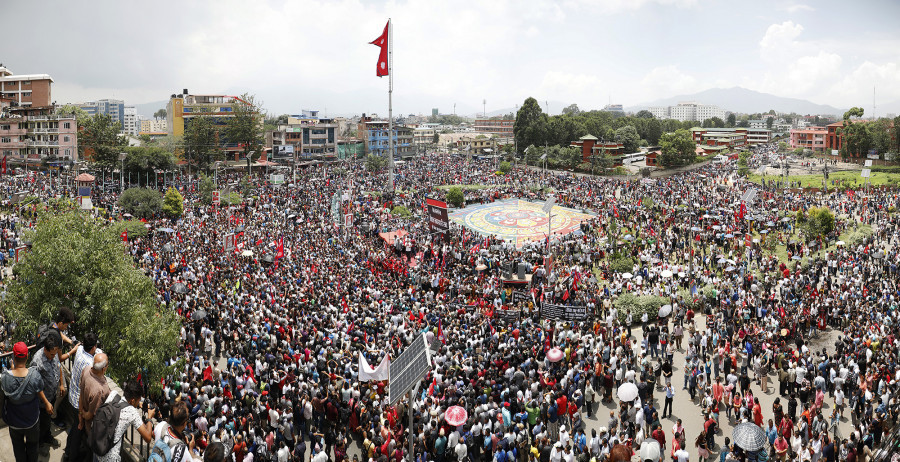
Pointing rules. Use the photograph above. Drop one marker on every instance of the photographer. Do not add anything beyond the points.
(171, 433)
(129, 416)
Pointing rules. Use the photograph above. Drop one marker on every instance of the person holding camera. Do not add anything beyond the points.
(129, 416)
(171, 433)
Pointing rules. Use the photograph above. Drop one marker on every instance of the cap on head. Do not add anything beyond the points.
(20, 350)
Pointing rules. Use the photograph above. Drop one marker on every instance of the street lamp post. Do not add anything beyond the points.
(122, 156)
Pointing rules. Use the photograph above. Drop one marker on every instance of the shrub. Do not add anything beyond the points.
(141, 202)
(639, 305)
(621, 263)
(505, 167)
(401, 211)
(173, 203)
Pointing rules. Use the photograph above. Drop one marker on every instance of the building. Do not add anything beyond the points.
(33, 134)
(812, 138)
(688, 111)
(374, 134)
(423, 136)
(616, 109)
(757, 123)
(759, 136)
(833, 138)
(591, 146)
(153, 126)
(496, 127)
(477, 146)
(184, 107)
(306, 136)
(713, 140)
(129, 121)
(26, 89)
(114, 108)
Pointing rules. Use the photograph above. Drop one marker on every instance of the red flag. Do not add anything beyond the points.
(4, 165)
(279, 250)
(615, 211)
(431, 387)
(124, 236)
(382, 41)
(440, 333)
(207, 373)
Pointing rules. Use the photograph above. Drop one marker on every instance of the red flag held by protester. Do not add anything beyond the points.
(124, 235)
(382, 41)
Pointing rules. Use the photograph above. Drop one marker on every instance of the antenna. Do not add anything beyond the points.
(484, 108)
(454, 108)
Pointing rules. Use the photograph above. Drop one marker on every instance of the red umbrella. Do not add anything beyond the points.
(456, 415)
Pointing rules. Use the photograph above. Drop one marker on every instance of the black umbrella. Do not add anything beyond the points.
(749, 436)
(179, 288)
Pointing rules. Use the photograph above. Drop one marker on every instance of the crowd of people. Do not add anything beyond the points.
(272, 366)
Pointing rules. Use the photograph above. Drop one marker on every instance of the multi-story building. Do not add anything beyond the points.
(33, 134)
(374, 134)
(759, 136)
(114, 108)
(184, 107)
(129, 120)
(757, 123)
(809, 138)
(154, 126)
(687, 111)
(25, 89)
(308, 137)
(423, 136)
(616, 109)
(496, 127)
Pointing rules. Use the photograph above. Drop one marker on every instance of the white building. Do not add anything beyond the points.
(757, 123)
(130, 123)
(688, 111)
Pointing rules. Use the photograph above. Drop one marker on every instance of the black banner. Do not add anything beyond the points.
(508, 316)
(564, 312)
(520, 296)
(460, 306)
(438, 221)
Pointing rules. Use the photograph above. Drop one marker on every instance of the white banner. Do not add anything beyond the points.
(367, 374)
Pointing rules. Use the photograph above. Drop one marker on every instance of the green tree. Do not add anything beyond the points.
(533, 155)
(819, 222)
(629, 138)
(77, 263)
(455, 196)
(436, 139)
(895, 134)
(401, 211)
(141, 202)
(879, 133)
(782, 146)
(246, 187)
(245, 127)
(99, 140)
(531, 124)
(206, 188)
(731, 120)
(375, 163)
(570, 157)
(173, 203)
(505, 167)
(571, 109)
(202, 143)
(644, 114)
(743, 168)
(677, 149)
(160, 114)
(143, 161)
(856, 141)
(713, 122)
(769, 122)
(70, 109)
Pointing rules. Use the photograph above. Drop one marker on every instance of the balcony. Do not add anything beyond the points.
(42, 143)
(43, 117)
(13, 132)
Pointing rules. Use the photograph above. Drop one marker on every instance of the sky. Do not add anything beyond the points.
(295, 55)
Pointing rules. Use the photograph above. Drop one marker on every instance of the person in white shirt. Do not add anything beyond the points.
(681, 455)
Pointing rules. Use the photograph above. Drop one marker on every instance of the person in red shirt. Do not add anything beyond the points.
(562, 405)
(659, 435)
(757, 412)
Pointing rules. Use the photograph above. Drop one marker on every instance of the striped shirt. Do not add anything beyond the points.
(82, 359)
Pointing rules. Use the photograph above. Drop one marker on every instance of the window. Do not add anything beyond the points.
(66, 139)
(5, 140)
(26, 82)
(67, 125)
(4, 127)
(27, 93)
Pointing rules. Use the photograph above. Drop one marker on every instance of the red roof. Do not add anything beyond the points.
(85, 177)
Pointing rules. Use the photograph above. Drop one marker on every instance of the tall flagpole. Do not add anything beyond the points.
(390, 106)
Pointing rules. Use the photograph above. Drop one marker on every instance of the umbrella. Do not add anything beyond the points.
(729, 236)
(749, 436)
(239, 229)
(628, 391)
(198, 315)
(168, 247)
(456, 415)
(665, 273)
(268, 258)
(247, 253)
(167, 230)
(795, 257)
(627, 275)
(628, 237)
(716, 227)
(179, 288)
(755, 240)
(765, 231)
(770, 223)
(695, 229)
(665, 310)
(878, 255)
(840, 243)
(786, 219)
(650, 450)
(729, 269)
(721, 261)
(681, 274)
(555, 355)
(128, 215)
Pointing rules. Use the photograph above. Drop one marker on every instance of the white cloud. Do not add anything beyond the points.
(668, 81)
(796, 8)
(779, 40)
(572, 86)
(855, 89)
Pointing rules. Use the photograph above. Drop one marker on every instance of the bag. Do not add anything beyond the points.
(42, 333)
(103, 429)
(162, 452)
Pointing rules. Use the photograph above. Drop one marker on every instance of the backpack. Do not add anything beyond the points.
(42, 333)
(163, 451)
(103, 429)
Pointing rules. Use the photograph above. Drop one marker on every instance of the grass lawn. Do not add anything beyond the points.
(815, 181)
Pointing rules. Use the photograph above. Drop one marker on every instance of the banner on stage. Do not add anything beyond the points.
(508, 316)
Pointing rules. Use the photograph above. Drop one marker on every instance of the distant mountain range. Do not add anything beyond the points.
(742, 100)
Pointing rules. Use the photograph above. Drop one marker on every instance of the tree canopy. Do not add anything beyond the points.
(173, 203)
(99, 140)
(202, 144)
(677, 149)
(245, 127)
(76, 262)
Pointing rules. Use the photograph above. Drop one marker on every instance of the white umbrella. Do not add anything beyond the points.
(627, 392)
(627, 275)
(665, 310)
(247, 253)
(840, 243)
(665, 273)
